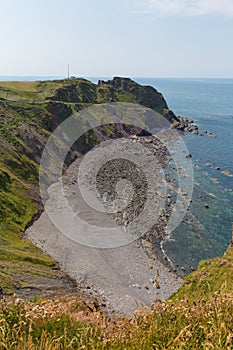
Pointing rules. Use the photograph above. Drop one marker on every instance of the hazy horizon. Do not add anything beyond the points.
(33, 77)
(136, 38)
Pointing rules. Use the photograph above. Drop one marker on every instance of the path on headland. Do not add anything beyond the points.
(122, 278)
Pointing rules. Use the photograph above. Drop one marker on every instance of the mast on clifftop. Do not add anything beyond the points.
(68, 72)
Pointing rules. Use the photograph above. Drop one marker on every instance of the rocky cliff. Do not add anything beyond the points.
(29, 112)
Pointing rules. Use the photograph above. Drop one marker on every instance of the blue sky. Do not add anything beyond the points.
(147, 38)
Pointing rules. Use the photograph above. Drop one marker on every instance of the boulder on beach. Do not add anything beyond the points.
(189, 155)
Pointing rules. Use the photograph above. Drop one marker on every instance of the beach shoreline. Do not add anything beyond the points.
(123, 279)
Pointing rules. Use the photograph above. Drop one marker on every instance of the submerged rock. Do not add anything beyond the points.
(226, 172)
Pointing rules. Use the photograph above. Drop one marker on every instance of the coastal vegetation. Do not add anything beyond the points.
(198, 316)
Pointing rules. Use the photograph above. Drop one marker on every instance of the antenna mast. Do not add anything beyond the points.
(68, 71)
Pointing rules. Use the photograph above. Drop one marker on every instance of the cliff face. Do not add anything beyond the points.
(29, 112)
(144, 95)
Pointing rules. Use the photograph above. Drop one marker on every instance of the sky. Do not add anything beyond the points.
(105, 38)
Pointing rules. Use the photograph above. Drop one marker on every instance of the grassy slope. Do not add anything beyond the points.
(22, 263)
(83, 91)
(199, 316)
(24, 129)
(211, 276)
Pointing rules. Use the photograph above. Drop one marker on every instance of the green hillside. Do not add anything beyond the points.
(83, 91)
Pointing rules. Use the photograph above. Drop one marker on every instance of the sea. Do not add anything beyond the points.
(204, 232)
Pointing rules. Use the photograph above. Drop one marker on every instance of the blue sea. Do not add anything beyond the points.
(209, 102)
(205, 232)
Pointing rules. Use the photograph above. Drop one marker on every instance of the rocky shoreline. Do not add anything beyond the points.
(122, 278)
(148, 248)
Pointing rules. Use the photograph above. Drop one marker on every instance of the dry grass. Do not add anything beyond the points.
(19, 85)
(74, 323)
